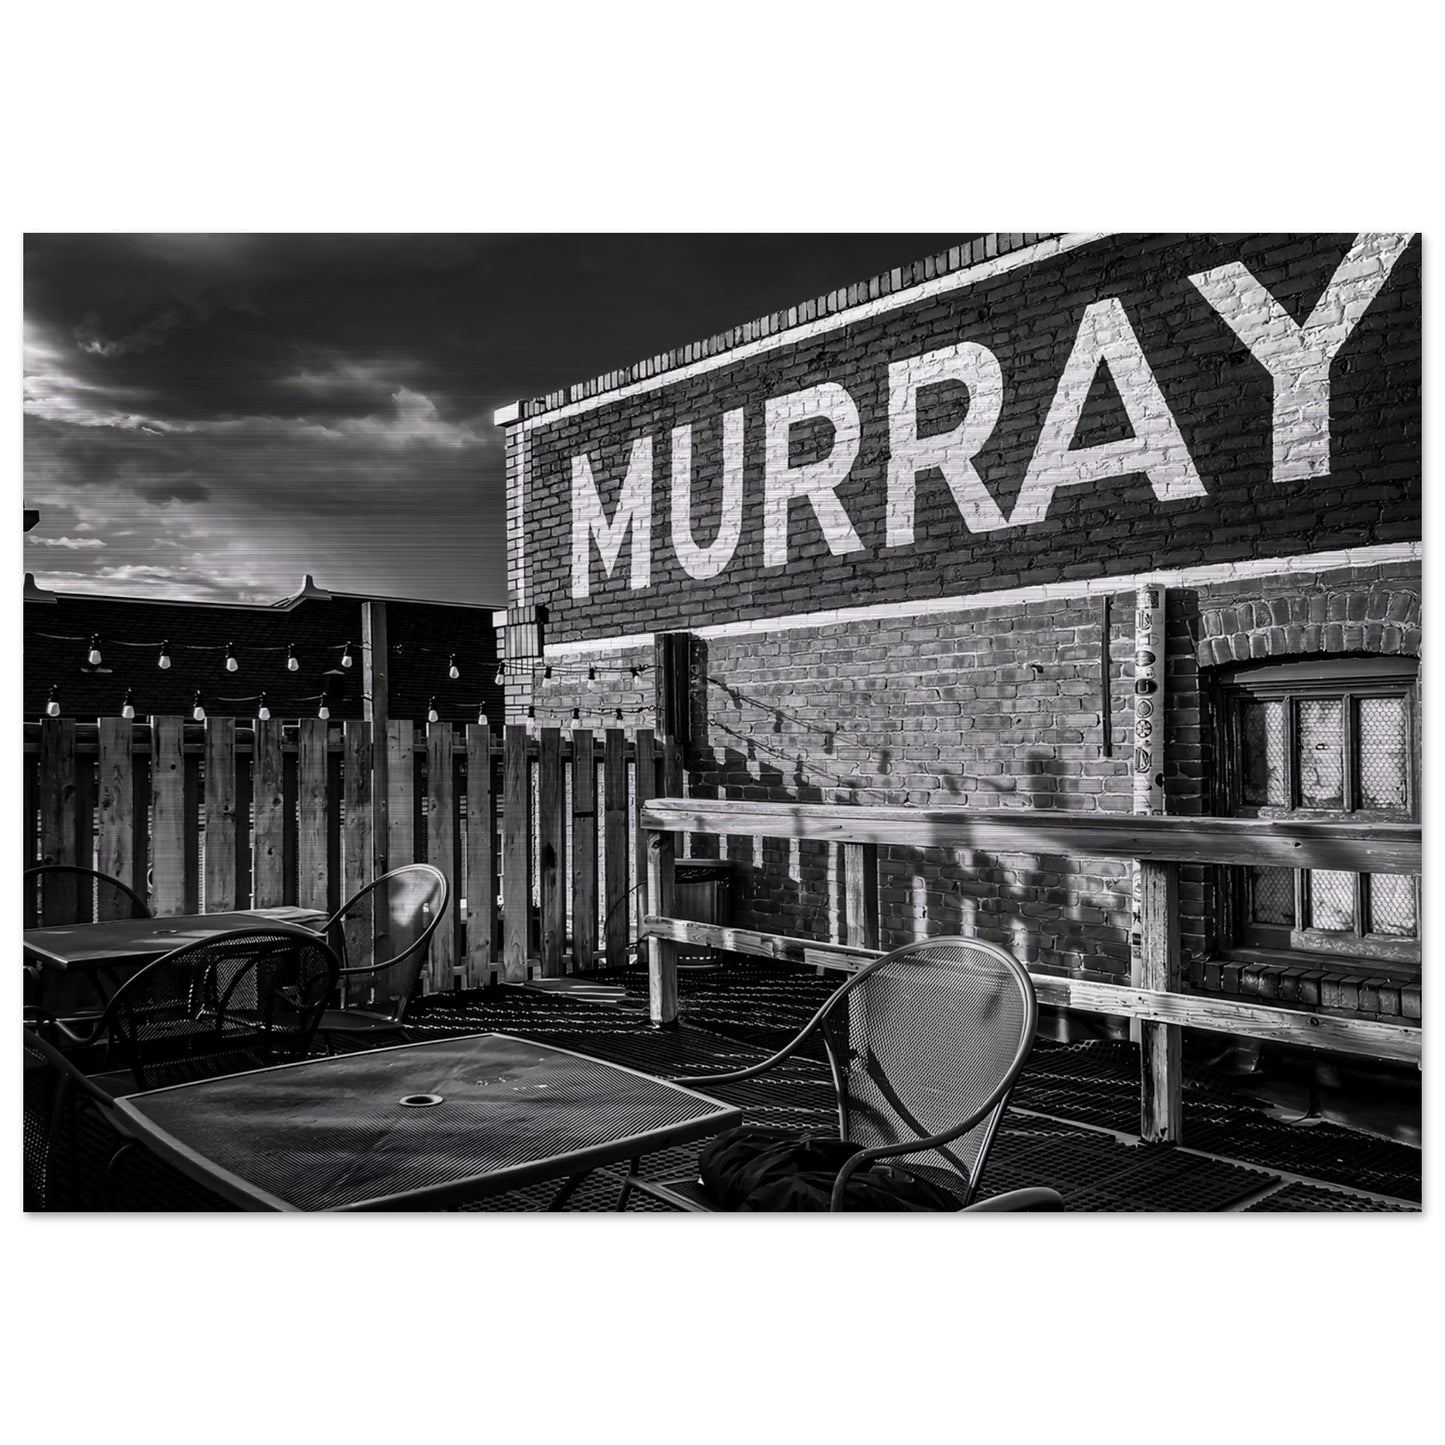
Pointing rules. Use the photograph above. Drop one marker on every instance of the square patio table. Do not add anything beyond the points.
(119, 942)
(416, 1126)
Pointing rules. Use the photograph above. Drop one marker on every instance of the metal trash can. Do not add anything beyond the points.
(702, 893)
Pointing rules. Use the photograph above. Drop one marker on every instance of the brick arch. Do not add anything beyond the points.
(1371, 620)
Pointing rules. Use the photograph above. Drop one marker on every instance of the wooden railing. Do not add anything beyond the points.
(219, 815)
(1159, 844)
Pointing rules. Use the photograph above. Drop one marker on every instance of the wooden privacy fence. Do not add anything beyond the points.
(213, 816)
(1159, 844)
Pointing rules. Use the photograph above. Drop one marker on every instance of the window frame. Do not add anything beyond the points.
(1349, 679)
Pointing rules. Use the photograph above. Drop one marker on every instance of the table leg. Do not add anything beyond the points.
(569, 1186)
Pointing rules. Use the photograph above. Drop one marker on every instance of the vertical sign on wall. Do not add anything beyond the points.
(1148, 763)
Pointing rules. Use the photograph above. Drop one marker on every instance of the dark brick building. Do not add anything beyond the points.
(316, 627)
(1084, 522)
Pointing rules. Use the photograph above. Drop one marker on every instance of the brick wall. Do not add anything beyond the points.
(971, 702)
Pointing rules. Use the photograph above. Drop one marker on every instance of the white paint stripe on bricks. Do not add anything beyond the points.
(1210, 574)
(939, 286)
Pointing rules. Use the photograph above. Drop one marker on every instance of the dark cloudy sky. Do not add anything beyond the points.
(212, 416)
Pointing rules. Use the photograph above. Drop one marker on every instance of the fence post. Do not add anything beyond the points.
(516, 853)
(375, 702)
(168, 818)
(860, 895)
(57, 804)
(269, 774)
(1160, 1056)
(662, 952)
(584, 851)
(115, 813)
(220, 786)
(481, 888)
(552, 890)
(615, 845)
(440, 820)
(357, 844)
(311, 810)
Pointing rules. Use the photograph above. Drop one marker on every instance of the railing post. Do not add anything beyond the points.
(1160, 1056)
(860, 895)
(552, 852)
(661, 952)
(516, 820)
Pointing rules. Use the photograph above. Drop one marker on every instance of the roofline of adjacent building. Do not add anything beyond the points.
(981, 255)
(309, 592)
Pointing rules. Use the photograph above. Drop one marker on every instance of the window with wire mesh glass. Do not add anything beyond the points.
(1322, 739)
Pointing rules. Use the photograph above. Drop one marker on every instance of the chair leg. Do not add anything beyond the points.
(569, 1187)
(626, 1190)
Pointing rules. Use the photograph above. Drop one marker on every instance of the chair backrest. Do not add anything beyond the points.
(57, 894)
(937, 1033)
(227, 1002)
(385, 931)
(69, 1129)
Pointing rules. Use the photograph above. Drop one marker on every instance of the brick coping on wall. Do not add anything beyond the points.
(977, 253)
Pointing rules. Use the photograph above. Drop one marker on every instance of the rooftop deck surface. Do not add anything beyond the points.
(1072, 1122)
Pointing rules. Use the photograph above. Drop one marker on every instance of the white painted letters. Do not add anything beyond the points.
(1156, 448)
(817, 481)
(1298, 357)
(705, 562)
(634, 510)
(952, 452)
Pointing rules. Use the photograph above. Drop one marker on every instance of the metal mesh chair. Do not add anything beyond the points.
(924, 1046)
(72, 1135)
(54, 895)
(235, 1001)
(381, 936)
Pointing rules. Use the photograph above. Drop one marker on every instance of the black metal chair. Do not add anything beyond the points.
(72, 1134)
(382, 935)
(239, 1000)
(924, 1046)
(54, 895)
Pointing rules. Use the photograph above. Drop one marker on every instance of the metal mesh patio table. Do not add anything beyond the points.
(417, 1126)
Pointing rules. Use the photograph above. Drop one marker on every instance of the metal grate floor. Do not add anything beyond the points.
(737, 1015)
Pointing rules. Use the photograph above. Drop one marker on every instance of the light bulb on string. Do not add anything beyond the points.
(231, 663)
(94, 655)
(635, 671)
(52, 703)
(576, 714)
(164, 660)
(263, 713)
(547, 671)
(619, 714)
(431, 710)
(324, 711)
(291, 664)
(198, 709)
(500, 678)
(346, 655)
(127, 710)
(591, 673)
(453, 671)
(481, 718)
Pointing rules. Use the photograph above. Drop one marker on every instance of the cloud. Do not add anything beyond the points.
(182, 489)
(74, 544)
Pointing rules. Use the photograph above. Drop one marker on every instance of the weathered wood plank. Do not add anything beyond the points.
(168, 817)
(516, 853)
(220, 814)
(30, 809)
(481, 885)
(552, 890)
(584, 851)
(616, 847)
(644, 787)
(1368, 1038)
(1373, 847)
(1161, 1067)
(357, 860)
(268, 885)
(116, 851)
(401, 793)
(57, 811)
(376, 709)
(860, 895)
(441, 849)
(661, 950)
(311, 814)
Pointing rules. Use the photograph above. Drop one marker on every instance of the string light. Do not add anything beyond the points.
(52, 704)
(481, 718)
(431, 710)
(291, 664)
(231, 663)
(547, 671)
(499, 679)
(165, 657)
(531, 712)
(263, 713)
(324, 711)
(346, 655)
(198, 709)
(94, 657)
(635, 671)
(576, 714)
(591, 673)
(619, 714)
(453, 671)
